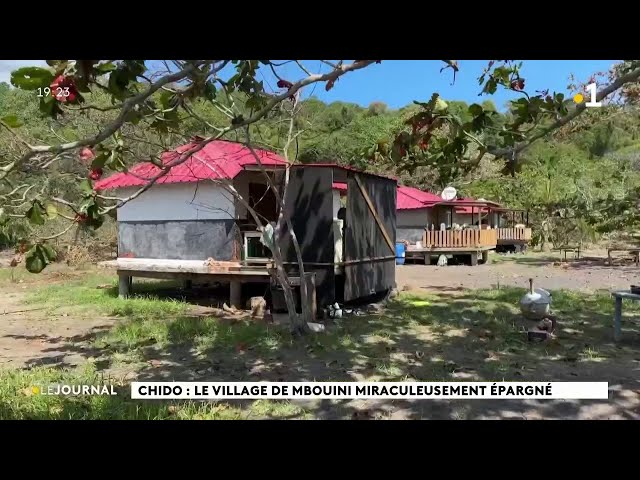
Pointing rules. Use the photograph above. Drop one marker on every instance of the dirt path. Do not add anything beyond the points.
(30, 336)
(588, 273)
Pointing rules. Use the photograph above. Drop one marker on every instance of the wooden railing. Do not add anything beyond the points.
(459, 239)
(514, 234)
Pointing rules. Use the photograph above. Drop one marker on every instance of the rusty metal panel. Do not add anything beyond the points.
(370, 260)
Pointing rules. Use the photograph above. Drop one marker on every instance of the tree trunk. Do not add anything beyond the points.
(299, 323)
(546, 241)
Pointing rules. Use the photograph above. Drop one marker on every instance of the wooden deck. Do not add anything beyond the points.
(184, 268)
(459, 239)
(475, 243)
(232, 272)
(510, 236)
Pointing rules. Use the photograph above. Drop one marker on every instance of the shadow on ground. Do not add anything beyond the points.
(584, 262)
(448, 336)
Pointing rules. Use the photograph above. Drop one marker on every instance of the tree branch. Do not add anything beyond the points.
(632, 76)
(342, 70)
(58, 234)
(113, 127)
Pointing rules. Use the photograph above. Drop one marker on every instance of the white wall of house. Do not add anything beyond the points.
(336, 203)
(423, 217)
(462, 218)
(178, 201)
(418, 218)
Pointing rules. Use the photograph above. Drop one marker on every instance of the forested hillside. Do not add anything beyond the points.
(578, 182)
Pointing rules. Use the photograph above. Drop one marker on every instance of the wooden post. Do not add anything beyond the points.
(311, 294)
(235, 294)
(472, 217)
(617, 320)
(124, 285)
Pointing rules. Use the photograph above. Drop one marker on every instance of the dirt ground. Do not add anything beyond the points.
(29, 336)
(590, 273)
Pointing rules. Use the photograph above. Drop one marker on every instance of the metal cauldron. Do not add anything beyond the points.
(536, 304)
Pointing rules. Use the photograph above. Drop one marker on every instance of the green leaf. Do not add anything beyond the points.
(30, 78)
(94, 219)
(490, 87)
(12, 121)
(50, 106)
(166, 99)
(35, 259)
(210, 91)
(440, 105)
(49, 253)
(115, 161)
(105, 67)
(100, 160)
(86, 187)
(475, 109)
(35, 213)
(52, 211)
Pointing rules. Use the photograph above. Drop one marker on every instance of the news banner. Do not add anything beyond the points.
(368, 390)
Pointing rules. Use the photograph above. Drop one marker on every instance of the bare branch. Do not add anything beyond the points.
(60, 137)
(190, 111)
(58, 234)
(62, 201)
(332, 65)
(13, 132)
(17, 189)
(96, 107)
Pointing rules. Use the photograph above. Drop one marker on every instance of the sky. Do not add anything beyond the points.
(399, 82)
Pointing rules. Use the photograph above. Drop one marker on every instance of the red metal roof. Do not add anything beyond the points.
(341, 186)
(412, 198)
(219, 159)
(408, 197)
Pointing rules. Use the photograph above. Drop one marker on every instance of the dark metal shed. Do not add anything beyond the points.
(366, 264)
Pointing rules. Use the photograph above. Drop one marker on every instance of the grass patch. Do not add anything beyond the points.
(205, 333)
(19, 402)
(84, 294)
(16, 275)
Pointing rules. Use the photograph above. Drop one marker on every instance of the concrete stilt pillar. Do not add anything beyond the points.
(188, 284)
(235, 294)
(124, 285)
